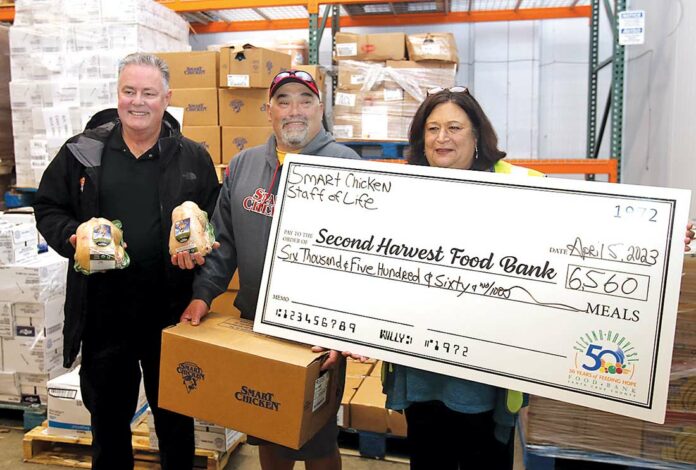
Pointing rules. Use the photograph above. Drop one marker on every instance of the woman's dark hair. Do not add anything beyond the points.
(486, 139)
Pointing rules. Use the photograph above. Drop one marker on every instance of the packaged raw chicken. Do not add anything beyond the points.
(99, 246)
(191, 230)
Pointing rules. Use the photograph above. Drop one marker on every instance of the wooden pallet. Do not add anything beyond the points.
(41, 447)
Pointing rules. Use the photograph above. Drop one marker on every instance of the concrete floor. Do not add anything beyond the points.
(244, 458)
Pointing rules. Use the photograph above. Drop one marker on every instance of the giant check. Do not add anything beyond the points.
(560, 288)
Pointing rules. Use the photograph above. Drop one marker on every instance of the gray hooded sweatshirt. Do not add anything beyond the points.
(242, 220)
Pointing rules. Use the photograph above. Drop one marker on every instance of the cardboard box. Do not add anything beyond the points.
(367, 411)
(353, 74)
(243, 107)
(200, 105)
(551, 422)
(376, 370)
(373, 123)
(246, 66)
(674, 441)
(380, 46)
(40, 353)
(34, 281)
(390, 100)
(208, 137)
(33, 387)
(351, 386)
(17, 242)
(432, 46)
(224, 304)
(222, 371)
(234, 283)
(67, 414)
(236, 139)
(424, 74)
(6, 322)
(197, 69)
(358, 369)
(9, 387)
(316, 71)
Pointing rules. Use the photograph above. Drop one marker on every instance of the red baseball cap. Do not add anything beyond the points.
(297, 76)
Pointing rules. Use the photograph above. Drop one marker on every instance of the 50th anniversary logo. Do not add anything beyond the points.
(605, 362)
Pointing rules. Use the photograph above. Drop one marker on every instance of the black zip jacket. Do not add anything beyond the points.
(69, 195)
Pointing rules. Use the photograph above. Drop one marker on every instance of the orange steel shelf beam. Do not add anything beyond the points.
(411, 19)
(7, 14)
(573, 166)
(578, 166)
(312, 5)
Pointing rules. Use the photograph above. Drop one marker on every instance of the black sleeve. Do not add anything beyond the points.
(55, 215)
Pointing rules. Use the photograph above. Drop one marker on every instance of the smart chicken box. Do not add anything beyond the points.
(223, 372)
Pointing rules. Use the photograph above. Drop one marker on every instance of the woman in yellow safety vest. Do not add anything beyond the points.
(454, 423)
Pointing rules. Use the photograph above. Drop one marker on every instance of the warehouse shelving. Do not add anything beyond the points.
(214, 16)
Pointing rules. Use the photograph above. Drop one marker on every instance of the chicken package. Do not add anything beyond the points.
(191, 230)
(99, 246)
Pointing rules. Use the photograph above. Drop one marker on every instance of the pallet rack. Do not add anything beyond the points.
(215, 16)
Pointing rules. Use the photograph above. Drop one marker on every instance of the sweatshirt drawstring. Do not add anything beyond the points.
(273, 180)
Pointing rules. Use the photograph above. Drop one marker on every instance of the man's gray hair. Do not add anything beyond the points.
(150, 60)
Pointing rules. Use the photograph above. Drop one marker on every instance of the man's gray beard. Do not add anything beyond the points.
(294, 138)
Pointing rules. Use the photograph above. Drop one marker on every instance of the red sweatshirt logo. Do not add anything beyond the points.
(262, 202)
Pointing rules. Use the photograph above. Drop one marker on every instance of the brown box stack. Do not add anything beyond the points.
(368, 411)
(193, 79)
(355, 373)
(245, 75)
(554, 423)
(377, 100)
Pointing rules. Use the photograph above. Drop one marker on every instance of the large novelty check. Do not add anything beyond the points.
(561, 288)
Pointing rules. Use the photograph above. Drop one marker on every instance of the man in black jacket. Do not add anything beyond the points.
(130, 164)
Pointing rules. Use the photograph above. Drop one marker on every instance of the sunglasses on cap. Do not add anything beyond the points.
(297, 76)
(454, 89)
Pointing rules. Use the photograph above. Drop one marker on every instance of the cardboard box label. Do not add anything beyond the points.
(238, 80)
(357, 79)
(345, 99)
(343, 131)
(395, 94)
(347, 49)
(321, 387)
(431, 49)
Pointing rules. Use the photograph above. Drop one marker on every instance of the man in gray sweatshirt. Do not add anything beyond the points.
(242, 220)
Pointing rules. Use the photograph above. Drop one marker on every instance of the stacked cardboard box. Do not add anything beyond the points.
(67, 415)
(224, 303)
(206, 435)
(64, 64)
(378, 91)
(553, 423)
(245, 75)
(367, 402)
(32, 294)
(355, 374)
(193, 80)
(224, 95)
